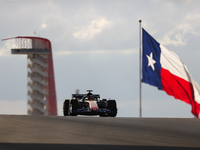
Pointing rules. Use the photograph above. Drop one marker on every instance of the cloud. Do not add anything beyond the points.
(183, 31)
(95, 27)
(43, 26)
(13, 107)
(5, 50)
(126, 51)
(19, 107)
(60, 106)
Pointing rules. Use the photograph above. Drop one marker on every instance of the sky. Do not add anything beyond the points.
(96, 46)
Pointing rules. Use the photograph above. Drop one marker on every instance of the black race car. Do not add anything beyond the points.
(89, 104)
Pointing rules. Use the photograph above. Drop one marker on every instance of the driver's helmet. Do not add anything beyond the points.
(90, 96)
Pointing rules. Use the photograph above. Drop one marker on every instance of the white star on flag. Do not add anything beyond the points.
(151, 61)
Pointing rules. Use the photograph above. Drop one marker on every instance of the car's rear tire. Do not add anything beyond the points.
(112, 105)
(74, 105)
(66, 108)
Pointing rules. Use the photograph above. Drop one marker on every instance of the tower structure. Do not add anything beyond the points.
(41, 93)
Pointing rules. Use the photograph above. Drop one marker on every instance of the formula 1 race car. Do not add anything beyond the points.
(89, 104)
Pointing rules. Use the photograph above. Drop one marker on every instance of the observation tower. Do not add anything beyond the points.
(41, 93)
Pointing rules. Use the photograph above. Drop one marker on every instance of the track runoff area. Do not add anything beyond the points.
(58, 132)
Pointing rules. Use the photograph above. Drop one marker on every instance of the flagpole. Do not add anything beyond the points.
(140, 68)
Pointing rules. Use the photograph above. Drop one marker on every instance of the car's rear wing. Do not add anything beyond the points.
(79, 96)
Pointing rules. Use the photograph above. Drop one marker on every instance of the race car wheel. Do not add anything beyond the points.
(66, 108)
(113, 107)
(74, 105)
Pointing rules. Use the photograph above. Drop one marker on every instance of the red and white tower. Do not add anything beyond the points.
(41, 81)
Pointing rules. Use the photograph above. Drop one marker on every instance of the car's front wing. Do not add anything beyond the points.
(87, 111)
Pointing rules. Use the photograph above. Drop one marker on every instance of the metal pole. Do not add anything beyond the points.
(140, 67)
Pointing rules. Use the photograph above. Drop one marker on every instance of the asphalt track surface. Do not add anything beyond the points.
(19, 132)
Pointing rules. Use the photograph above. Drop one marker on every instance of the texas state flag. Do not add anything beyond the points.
(164, 69)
